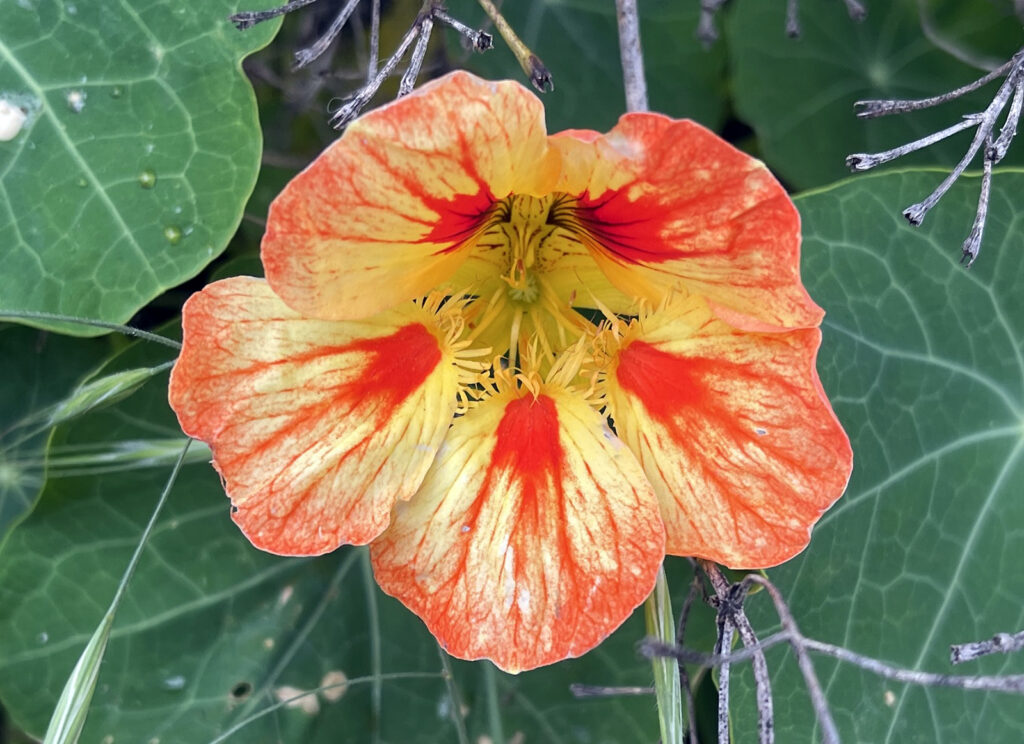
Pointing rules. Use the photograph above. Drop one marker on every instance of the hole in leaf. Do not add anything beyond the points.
(241, 690)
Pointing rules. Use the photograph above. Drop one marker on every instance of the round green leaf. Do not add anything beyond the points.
(924, 362)
(140, 147)
(798, 94)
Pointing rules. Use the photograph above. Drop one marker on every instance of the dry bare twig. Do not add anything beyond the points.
(1001, 643)
(985, 122)
(723, 659)
(634, 80)
(416, 38)
(707, 31)
(728, 601)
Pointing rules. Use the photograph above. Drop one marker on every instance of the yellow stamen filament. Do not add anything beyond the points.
(495, 309)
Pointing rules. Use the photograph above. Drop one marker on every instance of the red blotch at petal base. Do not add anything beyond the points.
(533, 537)
(737, 436)
(316, 427)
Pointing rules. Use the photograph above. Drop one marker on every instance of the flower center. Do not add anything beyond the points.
(525, 223)
(527, 273)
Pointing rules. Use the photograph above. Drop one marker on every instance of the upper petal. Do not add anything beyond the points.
(668, 203)
(734, 431)
(535, 534)
(381, 215)
(316, 427)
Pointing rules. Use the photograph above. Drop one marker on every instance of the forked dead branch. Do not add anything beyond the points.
(729, 600)
(417, 37)
(994, 146)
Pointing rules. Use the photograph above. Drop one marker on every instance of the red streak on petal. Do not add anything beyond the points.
(399, 364)
(528, 450)
(688, 395)
(461, 217)
(665, 383)
(629, 230)
(528, 444)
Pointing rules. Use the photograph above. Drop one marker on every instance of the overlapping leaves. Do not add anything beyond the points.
(140, 147)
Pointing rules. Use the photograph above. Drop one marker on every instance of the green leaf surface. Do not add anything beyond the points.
(212, 632)
(924, 362)
(37, 370)
(578, 42)
(140, 149)
(798, 94)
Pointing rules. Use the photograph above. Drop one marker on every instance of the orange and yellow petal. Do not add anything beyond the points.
(388, 212)
(316, 427)
(534, 536)
(668, 204)
(734, 431)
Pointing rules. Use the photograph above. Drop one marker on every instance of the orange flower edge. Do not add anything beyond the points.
(457, 308)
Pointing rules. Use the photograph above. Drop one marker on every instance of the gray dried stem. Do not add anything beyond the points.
(729, 599)
(1011, 92)
(1001, 643)
(417, 38)
(249, 18)
(707, 31)
(696, 586)
(631, 53)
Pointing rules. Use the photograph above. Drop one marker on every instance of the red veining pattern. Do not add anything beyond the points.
(628, 230)
(528, 444)
(461, 217)
(400, 364)
(665, 383)
(259, 470)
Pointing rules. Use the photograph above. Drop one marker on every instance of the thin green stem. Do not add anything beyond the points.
(453, 696)
(128, 572)
(46, 415)
(72, 708)
(376, 663)
(288, 701)
(493, 708)
(660, 625)
(58, 318)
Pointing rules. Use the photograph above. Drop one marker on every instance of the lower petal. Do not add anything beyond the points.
(534, 536)
(316, 427)
(734, 431)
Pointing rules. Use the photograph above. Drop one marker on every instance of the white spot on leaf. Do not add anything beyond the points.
(293, 697)
(177, 682)
(76, 100)
(336, 684)
(12, 119)
(285, 595)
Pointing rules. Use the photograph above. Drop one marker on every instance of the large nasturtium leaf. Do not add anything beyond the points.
(212, 631)
(924, 361)
(578, 42)
(798, 94)
(139, 151)
(37, 369)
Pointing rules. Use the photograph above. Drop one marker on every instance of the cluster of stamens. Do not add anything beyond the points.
(515, 316)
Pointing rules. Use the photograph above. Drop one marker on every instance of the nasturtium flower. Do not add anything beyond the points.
(521, 367)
